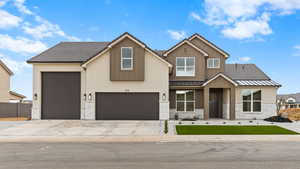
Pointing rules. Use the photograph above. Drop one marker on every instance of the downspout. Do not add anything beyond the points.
(84, 70)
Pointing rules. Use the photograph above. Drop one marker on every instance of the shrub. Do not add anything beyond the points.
(188, 119)
(278, 119)
(166, 130)
(176, 116)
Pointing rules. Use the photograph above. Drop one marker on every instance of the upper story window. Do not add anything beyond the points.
(213, 63)
(185, 66)
(251, 100)
(126, 58)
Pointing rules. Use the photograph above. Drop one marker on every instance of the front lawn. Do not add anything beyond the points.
(230, 130)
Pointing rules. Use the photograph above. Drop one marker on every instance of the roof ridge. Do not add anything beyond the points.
(85, 42)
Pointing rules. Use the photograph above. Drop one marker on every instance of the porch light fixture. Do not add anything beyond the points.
(35, 96)
(164, 96)
(90, 96)
(84, 97)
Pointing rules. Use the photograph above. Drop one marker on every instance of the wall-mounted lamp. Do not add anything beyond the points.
(164, 97)
(90, 96)
(84, 97)
(35, 96)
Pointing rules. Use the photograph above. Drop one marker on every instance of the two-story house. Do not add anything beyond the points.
(289, 100)
(6, 95)
(126, 80)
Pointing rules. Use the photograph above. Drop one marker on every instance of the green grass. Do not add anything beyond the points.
(230, 130)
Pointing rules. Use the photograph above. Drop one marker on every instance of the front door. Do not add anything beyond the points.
(215, 102)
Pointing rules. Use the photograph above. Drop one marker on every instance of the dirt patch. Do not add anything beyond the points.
(14, 119)
(292, 114)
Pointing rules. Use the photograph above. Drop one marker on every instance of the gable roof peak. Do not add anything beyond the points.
(120, 38)
(197, 35)
(187, 41)
(6, 68)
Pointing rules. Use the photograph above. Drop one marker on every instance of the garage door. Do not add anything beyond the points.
(61, 95)
(127, 106)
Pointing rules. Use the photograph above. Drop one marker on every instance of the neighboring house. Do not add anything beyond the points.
(289, 100)
(126, 80)
(5, 94)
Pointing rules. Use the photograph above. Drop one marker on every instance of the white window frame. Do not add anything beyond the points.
(131, 58)
(185, 66)
(252, 101)
(213, 61)
(185, 101)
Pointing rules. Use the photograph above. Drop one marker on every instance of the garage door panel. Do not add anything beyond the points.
(61, 95)
(127, 106)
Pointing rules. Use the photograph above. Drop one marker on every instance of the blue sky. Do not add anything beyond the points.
(264, 32)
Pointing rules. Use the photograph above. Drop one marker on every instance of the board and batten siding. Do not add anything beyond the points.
(186, 50)
(212, 53)
(138, 71)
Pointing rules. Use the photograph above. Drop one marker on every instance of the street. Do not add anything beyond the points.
(235, 155)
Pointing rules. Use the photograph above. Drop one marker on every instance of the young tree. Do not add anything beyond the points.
(280, 103)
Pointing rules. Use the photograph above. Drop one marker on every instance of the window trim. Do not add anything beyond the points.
(252, 101)
(185, 101)
(213, 67)
(131, 58)
(185, 66)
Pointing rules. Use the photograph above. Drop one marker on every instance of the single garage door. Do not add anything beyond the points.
(61, 95)
(127, 106)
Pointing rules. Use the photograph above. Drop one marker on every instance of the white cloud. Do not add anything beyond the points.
(249, 28)
(14, 65)
(195, 16)
(245, 59)
(21, 7)
(177, 35)
(8, 20)
(21, 44)
(237, 16)
(46, 29)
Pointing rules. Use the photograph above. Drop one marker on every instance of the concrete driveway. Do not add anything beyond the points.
(81, 128)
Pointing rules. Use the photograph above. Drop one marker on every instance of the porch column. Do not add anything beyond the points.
(232, 104)
(206, 103)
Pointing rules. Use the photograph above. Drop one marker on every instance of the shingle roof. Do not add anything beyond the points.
(185, 83)
(296, 96)
(160, 52)
(70, 52)
(245, 72)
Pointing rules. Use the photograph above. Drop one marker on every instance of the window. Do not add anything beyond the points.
(291, 100)
(185, 100)
(213, 63)
(126, 58)
(185, 66)
(251, 100)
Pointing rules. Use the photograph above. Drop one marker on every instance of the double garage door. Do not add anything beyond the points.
(61, 100)
(127, 106)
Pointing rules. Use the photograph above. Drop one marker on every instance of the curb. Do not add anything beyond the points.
(141, 139)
